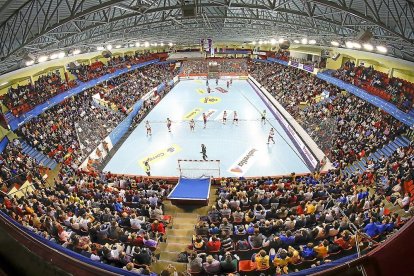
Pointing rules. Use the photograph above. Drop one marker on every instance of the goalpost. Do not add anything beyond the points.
(189, 168)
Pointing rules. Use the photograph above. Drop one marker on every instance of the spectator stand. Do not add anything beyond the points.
(16, 122)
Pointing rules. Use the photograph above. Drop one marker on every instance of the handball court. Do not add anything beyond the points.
(241, 148)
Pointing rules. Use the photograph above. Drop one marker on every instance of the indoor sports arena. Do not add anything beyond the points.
(207, 137)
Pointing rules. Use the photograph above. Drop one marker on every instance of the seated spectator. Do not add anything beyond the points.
(229, 264)
(214, 244)
(195, 263)
(211, 265)
(307, 251)
(262, 260)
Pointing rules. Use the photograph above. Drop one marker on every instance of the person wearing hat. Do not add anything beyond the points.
(211, 265)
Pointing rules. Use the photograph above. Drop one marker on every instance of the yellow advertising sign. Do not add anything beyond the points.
(200, 91)
(159, 155)
(210, 100)
(192, 114)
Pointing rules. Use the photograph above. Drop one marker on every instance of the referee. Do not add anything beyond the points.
(204, 152)
(147, 168)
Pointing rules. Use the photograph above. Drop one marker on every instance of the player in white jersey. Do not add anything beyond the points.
(192, 124)
(169, 124)
(271, 134)
(264, 117)
(224, 117)
(235, 118)
(148, 128)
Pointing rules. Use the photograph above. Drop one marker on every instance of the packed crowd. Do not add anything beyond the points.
(345, 127)
(125, 90)
(398, 91)
(23, 98)
(86, 72)
(288, 224)
(224, 66)
(17, 167)
(109, 219)
(58, 131)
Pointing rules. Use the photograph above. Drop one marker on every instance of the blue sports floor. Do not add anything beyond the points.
(242, 149)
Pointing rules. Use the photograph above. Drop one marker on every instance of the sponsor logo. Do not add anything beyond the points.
(200, 91)
(191, 115)
(198, 81)
(242, 165)
(209, 114)
(210, 100)
(221, 90)
(159, 155)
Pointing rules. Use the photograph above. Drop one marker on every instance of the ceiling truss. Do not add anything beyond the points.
(47, 25)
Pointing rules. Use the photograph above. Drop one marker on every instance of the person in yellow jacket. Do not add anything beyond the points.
(281, 259)
(262, 260)
(322, 249)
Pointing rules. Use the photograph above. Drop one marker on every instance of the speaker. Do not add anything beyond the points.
(188, 11)
(106, 54)
(336, 56)
(364, 36)
(284, 45)
(325, 53)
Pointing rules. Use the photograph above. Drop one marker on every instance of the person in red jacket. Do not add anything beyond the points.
(158, 227)
(214, 244)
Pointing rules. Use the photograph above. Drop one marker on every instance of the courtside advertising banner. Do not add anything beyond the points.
(245, 162)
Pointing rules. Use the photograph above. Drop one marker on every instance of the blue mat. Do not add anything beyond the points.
(189, 188)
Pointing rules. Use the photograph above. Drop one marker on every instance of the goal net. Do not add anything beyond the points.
(199, 168)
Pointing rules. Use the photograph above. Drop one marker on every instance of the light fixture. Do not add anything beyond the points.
(281, 40)
(118, 46)
(162, 44)
(76, 52)
(170, 44)
(357, 45)
(312, 41)
(368, 47)
(335, 43)
(61, 54)
(131, 45)
(100, 48)
(109, 47)
(382, 49)
(349, 44)
(53, 56)
(146, 44)
(4, 83)
(296, 41)
(273, 41)
(42, 58)
(304, 41)
(254, 42)
(29, 62)
(137, 44)
(155, 44)
(260, 42)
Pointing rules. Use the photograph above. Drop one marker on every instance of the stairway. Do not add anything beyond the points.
(361, 165)
(40, 158)
(179, 233)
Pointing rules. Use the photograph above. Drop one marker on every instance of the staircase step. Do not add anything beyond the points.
(178, 239)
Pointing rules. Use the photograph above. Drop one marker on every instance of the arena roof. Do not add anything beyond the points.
(44, 26)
